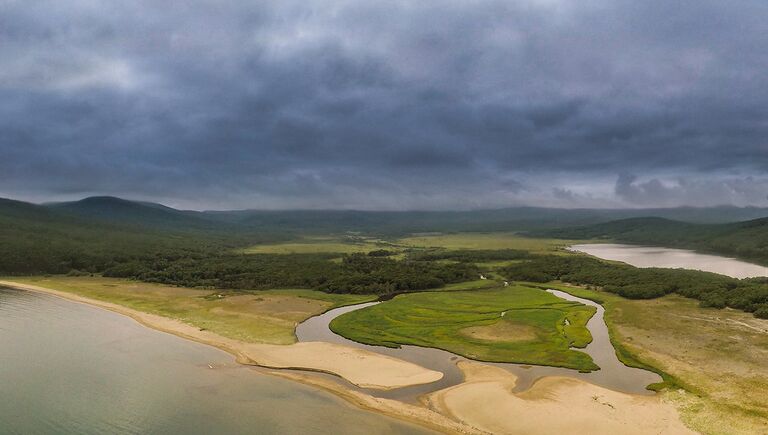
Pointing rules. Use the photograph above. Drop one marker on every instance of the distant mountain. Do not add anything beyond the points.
(507, 219)
(12, 209)
(107, 209)
(747, 240)
(38, 239)
(93, 233)
(134, 213)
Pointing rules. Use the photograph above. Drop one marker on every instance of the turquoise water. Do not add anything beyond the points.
(69, 368)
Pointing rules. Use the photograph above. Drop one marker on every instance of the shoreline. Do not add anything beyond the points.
(240, 351)
(460, 409)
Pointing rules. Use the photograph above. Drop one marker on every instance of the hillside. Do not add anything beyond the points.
(38, 239)
(97, 233)
(747, 240)
(397, 223)
(139, 214)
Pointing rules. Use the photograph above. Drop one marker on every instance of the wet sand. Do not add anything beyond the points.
(552, 405)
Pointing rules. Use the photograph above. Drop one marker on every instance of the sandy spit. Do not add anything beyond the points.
(552, 405)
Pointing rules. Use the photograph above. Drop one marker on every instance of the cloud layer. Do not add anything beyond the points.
(386, 105)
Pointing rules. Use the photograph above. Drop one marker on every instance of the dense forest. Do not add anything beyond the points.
(355, 273)
(155, 244)
(747, 240)
(41, 240)
(711, 289)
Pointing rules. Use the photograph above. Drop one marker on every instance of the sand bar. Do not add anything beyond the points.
(552, 405)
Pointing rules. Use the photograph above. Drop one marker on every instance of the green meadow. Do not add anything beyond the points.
(504, 324)
(323, 245)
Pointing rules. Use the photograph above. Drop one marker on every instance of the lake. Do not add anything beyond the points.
(651, 256)
(69, 368)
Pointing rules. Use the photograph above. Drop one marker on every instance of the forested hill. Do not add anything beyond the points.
(394, 223)
(124, 212)
(747, 240)
(98, 233)
(42, 239)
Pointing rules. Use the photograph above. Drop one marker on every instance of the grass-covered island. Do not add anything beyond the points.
(505, 324)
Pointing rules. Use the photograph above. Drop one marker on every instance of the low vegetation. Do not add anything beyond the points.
(349, 244)
(504, 324)
(267, 316)
(713, 360)
(483, 242)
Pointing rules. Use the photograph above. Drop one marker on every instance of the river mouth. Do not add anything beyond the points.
(612, 374)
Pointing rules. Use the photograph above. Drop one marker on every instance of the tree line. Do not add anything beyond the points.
(355, 273)
(712, 290)
(469, 255)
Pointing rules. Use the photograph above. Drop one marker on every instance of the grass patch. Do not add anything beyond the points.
(477, 284)
(440, 320)
(265, 316)
(503, 240)
(322, 245)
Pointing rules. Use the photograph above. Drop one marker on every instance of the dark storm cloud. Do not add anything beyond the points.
(386, 104)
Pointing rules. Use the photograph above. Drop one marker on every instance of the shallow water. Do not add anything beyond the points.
(613, 374)
(69, 368)
(652, 256)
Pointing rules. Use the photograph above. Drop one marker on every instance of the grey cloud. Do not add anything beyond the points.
(681, 191)
(385, 104)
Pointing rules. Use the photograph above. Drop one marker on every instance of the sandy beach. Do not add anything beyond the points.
(483, 404)
(362, 368)
(552, 405)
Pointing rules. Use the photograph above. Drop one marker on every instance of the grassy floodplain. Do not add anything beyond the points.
(264, 316)
(503, 240)
(323, 245)
(532, 329)
(347, 244)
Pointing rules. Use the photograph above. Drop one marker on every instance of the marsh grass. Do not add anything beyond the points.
(440, 319)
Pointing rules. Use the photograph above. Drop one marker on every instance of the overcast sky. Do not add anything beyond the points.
(386, 104)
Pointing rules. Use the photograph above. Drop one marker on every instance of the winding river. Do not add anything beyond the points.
(613, 374)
